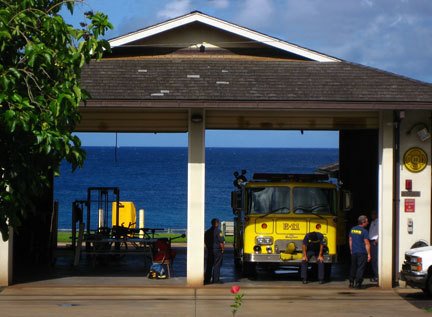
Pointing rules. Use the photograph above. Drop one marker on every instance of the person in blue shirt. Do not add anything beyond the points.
(360, 251)
(313, 246)
(214, 242)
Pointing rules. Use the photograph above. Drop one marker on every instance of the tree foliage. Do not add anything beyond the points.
(40, 61)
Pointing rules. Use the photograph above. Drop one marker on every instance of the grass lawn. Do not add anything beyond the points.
(65, 237)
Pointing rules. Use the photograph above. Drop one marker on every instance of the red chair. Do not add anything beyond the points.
(164, 254)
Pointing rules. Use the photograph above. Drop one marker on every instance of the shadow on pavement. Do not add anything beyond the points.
(134, 269)
(417, 298)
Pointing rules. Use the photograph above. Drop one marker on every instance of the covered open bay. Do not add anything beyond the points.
(155, 178)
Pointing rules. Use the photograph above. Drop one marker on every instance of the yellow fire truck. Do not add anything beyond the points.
(273, 213)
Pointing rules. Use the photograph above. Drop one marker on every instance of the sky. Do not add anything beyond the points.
(392, 35)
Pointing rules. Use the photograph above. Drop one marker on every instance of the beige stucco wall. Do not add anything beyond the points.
(6, 248)
(421, 182)
(197, 34)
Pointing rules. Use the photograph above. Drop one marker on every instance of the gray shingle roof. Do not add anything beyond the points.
(247, 80)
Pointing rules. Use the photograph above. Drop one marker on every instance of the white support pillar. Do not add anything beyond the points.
(196, 199)
(385, 242)
(6, 257)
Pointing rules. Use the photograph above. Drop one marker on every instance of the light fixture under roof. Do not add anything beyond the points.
(422, 131)
(196, 118)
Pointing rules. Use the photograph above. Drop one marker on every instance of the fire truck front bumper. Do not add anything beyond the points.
(277, 258)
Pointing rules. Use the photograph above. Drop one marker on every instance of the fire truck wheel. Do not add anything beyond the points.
(327, 271)
(249, 269)
(237, 263)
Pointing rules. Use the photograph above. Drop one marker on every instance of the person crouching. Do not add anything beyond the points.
(313, 246)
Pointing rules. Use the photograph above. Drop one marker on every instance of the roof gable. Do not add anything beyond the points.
(221, 26)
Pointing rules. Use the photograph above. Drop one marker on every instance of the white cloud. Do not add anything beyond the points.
(219, 4)
(393, 35)
(174, 9)
(255, 13)
(367, 3)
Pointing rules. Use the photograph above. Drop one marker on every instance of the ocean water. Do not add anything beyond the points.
(155, 178)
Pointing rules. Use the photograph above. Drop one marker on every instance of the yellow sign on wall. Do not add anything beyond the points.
(415, 159)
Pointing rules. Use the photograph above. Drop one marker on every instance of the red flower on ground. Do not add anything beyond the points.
(235, 289)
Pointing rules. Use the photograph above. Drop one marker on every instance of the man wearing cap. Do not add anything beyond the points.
(214, 242)
(360, 251)
(313, 246)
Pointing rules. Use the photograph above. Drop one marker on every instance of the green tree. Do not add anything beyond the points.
(41, 57)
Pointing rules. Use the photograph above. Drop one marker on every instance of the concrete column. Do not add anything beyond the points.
(6, 256)
(196, 199)
(385, 200)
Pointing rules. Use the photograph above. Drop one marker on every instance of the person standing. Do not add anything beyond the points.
(313, 246)
(373, 240)
(214, 242)
(360, 251)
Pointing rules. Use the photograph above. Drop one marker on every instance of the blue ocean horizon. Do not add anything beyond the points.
(155, 178)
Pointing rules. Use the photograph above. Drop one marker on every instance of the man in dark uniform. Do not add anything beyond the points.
(360, 251)
(214, 242)
(313, 245)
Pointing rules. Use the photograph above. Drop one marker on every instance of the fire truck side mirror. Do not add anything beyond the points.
(236, 201)
(346, 200)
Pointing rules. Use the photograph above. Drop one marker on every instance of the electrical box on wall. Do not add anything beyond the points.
(410, 226)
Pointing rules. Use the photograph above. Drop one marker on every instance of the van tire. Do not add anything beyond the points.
(428, 289)
(419, 244)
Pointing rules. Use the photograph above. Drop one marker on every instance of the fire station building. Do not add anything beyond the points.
(197, 72)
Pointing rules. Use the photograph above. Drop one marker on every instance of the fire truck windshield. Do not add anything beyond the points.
(277, 200)
(270, 200)
(313, 200)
